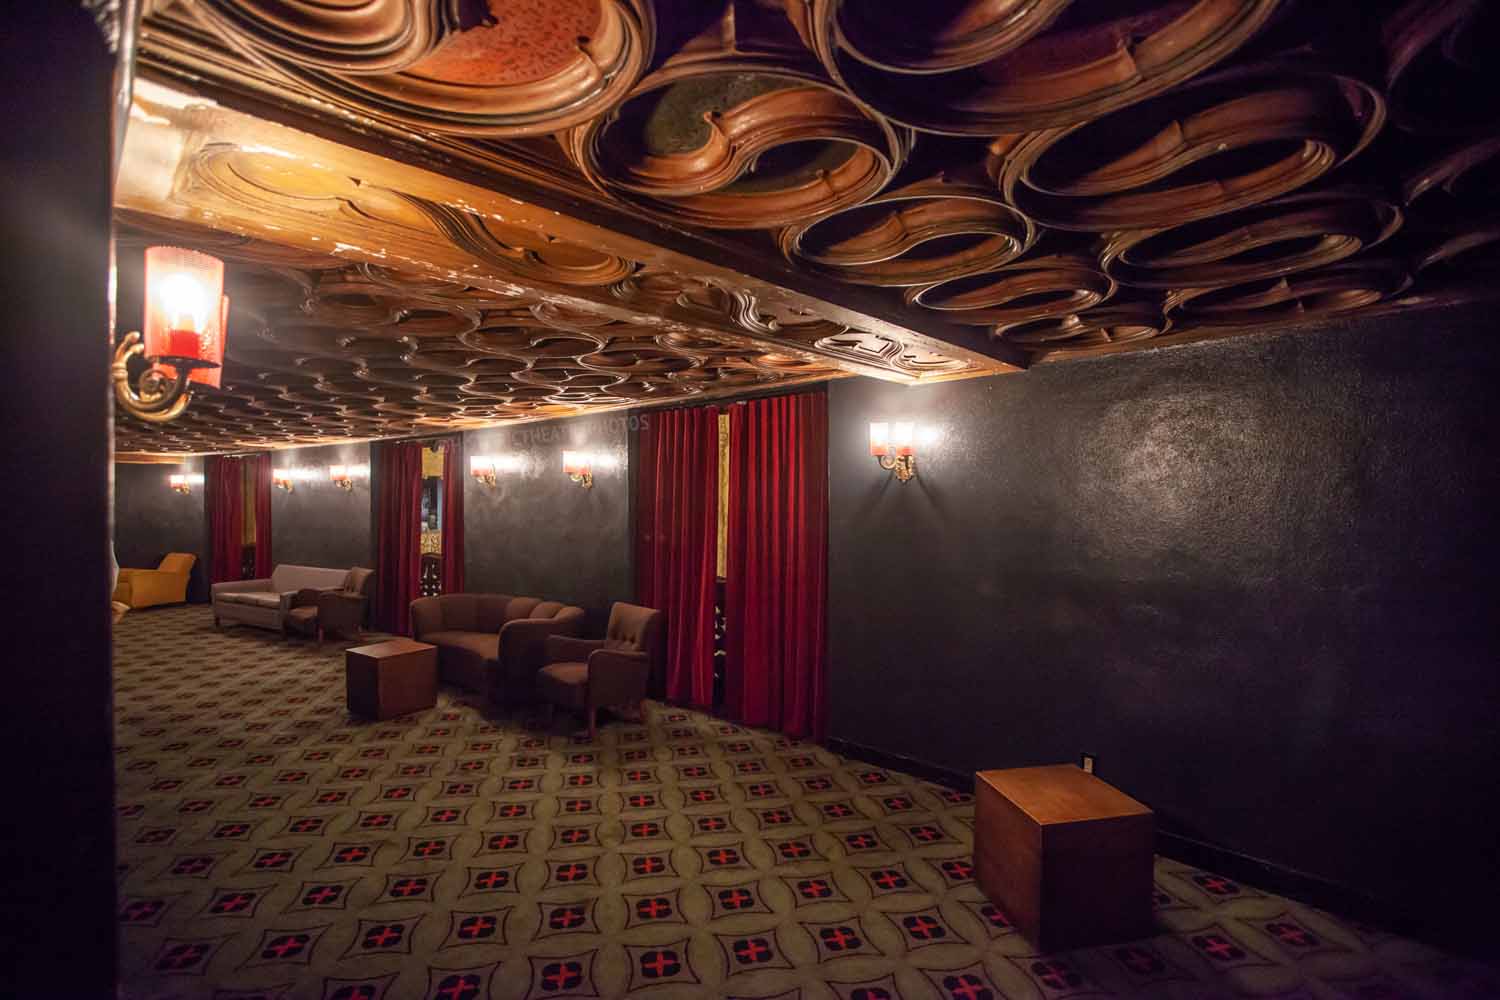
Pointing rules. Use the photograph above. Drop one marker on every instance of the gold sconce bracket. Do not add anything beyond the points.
(158, 398)
(904, 466)
(487, 478)
(584, 479)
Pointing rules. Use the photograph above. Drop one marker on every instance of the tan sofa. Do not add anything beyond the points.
(493, 644)
(266, 603)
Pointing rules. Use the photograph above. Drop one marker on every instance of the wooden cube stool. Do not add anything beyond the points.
(390, 678)
(1065, 856)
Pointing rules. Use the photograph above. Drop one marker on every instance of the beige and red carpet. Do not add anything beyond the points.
(272, 846)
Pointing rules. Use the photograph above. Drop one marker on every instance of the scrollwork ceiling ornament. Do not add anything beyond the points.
(492, 68)
(738, 130)
(981, 67)
(469, 211)
(1035, 288)
(929, 231)
(1290, 234)
(1224, 142)
(1343, 287)
(1109, 326)
(1440, 66)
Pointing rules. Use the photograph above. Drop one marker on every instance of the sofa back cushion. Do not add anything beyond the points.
(178, 562)
(520, 607)
(288, 577)
(490, 611)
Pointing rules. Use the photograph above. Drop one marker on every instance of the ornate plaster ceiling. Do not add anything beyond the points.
(455, 212)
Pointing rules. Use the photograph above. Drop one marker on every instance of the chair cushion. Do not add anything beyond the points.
(306, 613)
(481, 644)
(564, 684)
(255, 598)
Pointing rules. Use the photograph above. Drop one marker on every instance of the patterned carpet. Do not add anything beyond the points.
(270, 845)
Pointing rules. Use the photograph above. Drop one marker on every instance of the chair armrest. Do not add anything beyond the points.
(426, 616)
(232, 586)
(309, 596)
(523, 640)
(617, 676)
(570, 649)
(341, 609)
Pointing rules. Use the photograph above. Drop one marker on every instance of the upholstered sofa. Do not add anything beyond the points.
(492, 643)
(166, 584)
(267, 603)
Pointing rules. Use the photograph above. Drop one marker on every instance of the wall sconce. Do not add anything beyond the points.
(482, 468)
(892, 445)
(184, 483)
(186, 322)
(340, 477)
(579, 468)
(282, 480)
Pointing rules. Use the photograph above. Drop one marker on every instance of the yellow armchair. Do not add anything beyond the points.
(166, 584)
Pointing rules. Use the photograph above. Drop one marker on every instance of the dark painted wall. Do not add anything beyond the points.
(57, 927)
(536, 533)
(1256, 577)
(317, 523)
(152, 519)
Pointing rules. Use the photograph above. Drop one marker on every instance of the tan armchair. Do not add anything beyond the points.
(166, 584)
(588, 674)
(339, 611)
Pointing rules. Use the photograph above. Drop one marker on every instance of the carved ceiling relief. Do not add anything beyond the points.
(609, 202)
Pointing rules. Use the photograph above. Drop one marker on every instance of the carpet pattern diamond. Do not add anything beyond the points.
(272, 846)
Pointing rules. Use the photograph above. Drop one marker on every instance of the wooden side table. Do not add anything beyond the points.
(390, 678)
(1067, 857)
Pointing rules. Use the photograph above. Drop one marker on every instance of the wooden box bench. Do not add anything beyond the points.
(1064, 855)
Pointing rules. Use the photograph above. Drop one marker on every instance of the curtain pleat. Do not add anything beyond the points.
(399, 546)
(675, 549)
(224, 497)
(263, 564)
(775, 673)
(453, 516)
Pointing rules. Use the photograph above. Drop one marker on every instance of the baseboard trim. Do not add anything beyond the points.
(1314, 890)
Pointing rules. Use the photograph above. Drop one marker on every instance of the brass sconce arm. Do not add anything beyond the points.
(584, 479)
(904, 466)
(159, 398)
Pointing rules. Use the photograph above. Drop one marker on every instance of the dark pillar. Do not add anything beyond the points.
(55, 77)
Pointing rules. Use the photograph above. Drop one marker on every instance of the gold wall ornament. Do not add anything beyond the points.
(894, 448)
(156, 397)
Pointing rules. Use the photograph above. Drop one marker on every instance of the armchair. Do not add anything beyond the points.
(587, 674)
(324, 611)
(166, 584)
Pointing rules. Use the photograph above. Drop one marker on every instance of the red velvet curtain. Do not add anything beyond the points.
(775, 673)
(677, 496)
(263, 564)
(399, 547)
(453, 516)
(224, 497)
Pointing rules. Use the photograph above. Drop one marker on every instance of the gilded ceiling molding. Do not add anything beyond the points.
(1296, 233)
(1076, 334)
(1224, 142)
(1034, 288)
(933, 230)
(985, 66)
(1440, 66)
(739, 130)
(1466, 173)
(1349, 285)
(493, 68)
